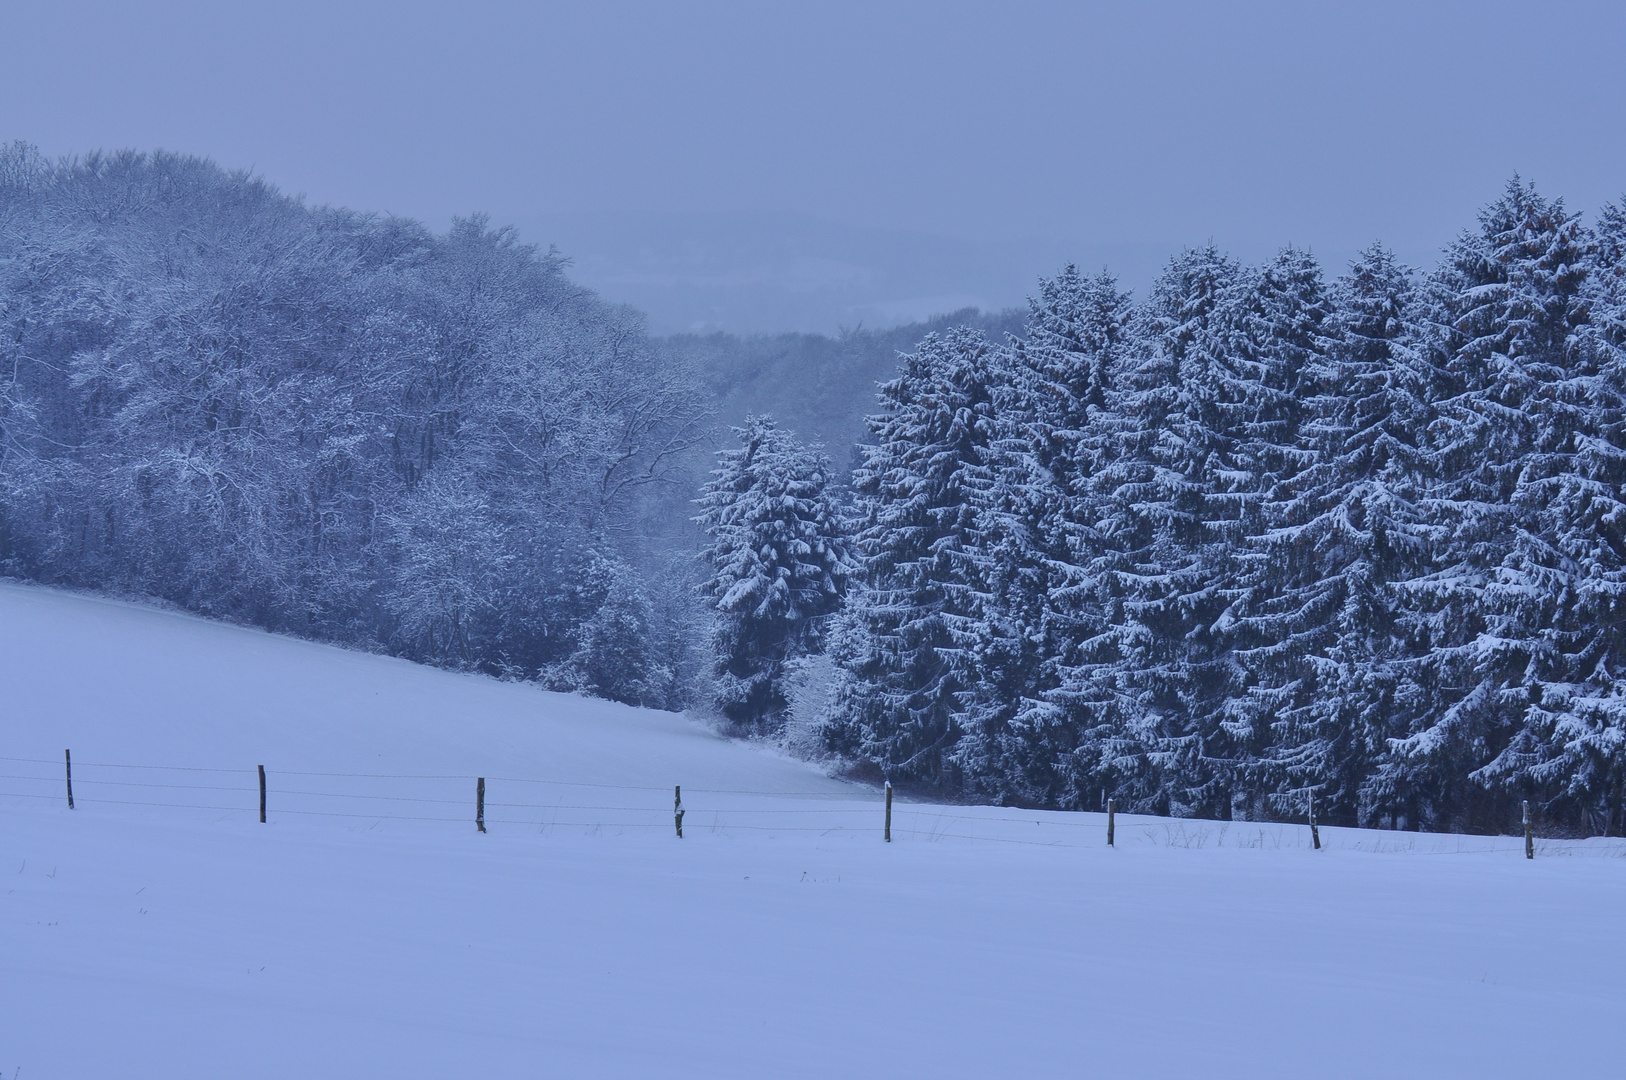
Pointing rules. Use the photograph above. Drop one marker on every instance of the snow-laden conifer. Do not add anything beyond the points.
(1272, 334)
(1322, 650)
(1516, 618)
(1061, 419)
(1559, 596)
(909, 639)
(779, 564)
(1172, 521)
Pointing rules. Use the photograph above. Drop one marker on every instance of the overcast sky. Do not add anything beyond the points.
(753, 167)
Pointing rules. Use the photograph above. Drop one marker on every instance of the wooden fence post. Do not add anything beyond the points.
(888, 811)
(1529, 833)
(67, 760)
(677, 809)
(1112, 813)
(1315, 833)
(480, 803)
(262, 794)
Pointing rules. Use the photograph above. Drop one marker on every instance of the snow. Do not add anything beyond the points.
(172, 942)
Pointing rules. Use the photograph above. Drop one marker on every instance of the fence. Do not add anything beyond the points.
(496, 802)
(492, 802)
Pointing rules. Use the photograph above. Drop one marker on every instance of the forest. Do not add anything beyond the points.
(1263, 536)
(1259, 539)
(336, 425)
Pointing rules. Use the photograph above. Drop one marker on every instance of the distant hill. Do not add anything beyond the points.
(819, 386)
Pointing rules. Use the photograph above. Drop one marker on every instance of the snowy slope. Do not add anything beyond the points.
(129, 683)
(780, 937)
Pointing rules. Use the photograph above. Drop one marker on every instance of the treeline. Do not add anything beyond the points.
(333, 424)
(1256, 538)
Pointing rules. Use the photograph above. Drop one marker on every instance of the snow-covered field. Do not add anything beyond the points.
(779, 938)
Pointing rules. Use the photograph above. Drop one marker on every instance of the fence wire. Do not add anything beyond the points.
(46, 781)
(321, 800)
(91, 790)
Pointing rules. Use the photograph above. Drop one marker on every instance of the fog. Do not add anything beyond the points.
(730, 166)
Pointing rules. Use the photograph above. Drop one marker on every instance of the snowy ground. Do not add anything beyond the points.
(779, 938)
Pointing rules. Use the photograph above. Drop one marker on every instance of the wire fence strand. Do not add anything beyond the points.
(919, 822)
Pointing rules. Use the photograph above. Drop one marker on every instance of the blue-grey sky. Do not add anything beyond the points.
(758, 166)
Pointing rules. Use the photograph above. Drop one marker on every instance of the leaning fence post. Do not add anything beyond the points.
(1529, 833)
(67, 760)
(262, 794)
(889, 811)
(677, 809)
(1315, 833)
(1112, 814)
(480, 803)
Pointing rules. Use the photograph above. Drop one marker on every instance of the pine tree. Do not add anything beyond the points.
(1506, 626)
(1560, 594)
(1169, 528)
(908, 644)
(779, 565)
(1336, 533)
(1059, 422)
(1273, 333)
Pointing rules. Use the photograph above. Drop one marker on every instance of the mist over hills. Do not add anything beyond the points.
(820, 386)
(761, 272)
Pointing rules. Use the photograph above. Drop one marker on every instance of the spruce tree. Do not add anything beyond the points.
(1322, 651)
(1506, 626)
(1273, 335)
(1061, 420)
(908, 643)
(1560, 594)
(1581, 761)
(1170, 526)
(779, 562)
